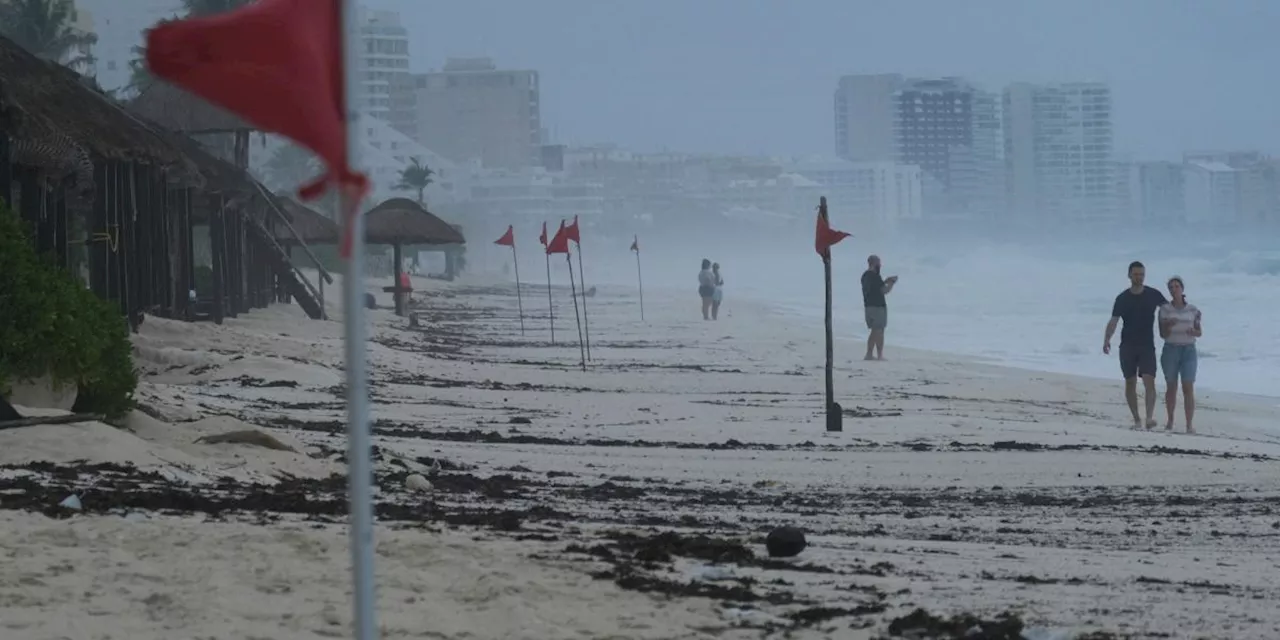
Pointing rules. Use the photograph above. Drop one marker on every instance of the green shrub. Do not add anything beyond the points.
(50, 324)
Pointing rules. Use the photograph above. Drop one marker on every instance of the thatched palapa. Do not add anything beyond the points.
(177, 109)
(401, 221)
(312, 227)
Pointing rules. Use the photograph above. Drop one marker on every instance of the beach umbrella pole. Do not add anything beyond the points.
(574, 291)
(519, 303)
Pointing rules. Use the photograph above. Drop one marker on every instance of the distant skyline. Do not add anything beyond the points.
(757, 76)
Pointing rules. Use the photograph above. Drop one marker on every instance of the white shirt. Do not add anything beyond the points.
(1184, 322)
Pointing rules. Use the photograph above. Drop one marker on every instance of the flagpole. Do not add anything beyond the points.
(551, 309)
(586, 325)
(360, 464)
(833, 410)
(640, 280)
(573, 290)
(519, 304)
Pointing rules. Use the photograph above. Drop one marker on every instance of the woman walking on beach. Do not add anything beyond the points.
(718, 295)
(1179, 326)
(706, 288)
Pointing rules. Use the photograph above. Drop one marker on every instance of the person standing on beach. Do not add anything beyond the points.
(717, 296)
(706, 288)
(874, 289)
(1179, 326)
(1137, 307)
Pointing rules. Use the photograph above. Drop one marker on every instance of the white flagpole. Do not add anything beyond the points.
(359, 462)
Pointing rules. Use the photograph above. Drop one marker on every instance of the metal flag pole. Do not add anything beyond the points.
(639, 276)
(582, 279)
(360, 464)
(519, 303)
(551, 307)
(573, 291)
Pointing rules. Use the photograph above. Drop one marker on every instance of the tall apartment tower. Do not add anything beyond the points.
(951, 130)
(864, 110)
(1059, 153)
(385, 84)
(471, 110)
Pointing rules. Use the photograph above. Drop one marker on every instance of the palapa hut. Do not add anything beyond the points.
(399, 222)
(119, 200)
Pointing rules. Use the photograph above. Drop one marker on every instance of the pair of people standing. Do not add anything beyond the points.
(1179, 323)
(710, 289)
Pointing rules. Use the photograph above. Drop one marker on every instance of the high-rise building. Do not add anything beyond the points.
(864, 110)
(471, 110)
(384, 69)
(1159, 191)
(1059, 160)
(951, 130)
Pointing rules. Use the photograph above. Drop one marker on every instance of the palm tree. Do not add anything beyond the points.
(415, 177)
(210, 7)
(46, 29)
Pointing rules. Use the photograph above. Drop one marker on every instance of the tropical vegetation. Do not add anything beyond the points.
(415, 177)
(46, 28)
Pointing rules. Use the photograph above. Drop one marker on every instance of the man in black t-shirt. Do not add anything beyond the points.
(874, 289)
(1137, 306)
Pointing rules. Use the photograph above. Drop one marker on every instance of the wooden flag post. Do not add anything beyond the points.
(574, 291)
(519, 302)
(551, 307)
(823, 240)
(586, 325)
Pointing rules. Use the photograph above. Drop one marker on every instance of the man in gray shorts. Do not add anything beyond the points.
(874, 289)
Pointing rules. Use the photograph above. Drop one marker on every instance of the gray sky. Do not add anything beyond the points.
(757, 76)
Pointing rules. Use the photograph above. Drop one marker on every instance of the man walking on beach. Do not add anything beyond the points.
(874, 289)
(1137, 306)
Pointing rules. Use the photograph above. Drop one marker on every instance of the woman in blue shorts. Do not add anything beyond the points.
(1179, 326)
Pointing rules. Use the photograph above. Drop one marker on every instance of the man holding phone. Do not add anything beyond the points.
(874, 289)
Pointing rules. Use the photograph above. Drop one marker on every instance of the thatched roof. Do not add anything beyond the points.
(42, 101)
(312, 227)
(175, 108)
(403, 221)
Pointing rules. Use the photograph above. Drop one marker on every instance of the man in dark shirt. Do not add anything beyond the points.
(874, 289)
(1137, 306)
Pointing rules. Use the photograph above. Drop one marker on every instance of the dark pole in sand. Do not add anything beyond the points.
(551, 308)
(586, 325)
(574, 291)
(635, 246)
(519, 303)
(835, 418)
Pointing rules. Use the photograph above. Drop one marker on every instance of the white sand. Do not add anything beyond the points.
(1141, 540)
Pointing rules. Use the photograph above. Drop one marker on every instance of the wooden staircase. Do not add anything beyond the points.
(297, 285)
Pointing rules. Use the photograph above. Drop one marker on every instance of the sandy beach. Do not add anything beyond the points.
(631, 500)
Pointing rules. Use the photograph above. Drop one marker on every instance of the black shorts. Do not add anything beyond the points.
(1137, 360)
(706, 292)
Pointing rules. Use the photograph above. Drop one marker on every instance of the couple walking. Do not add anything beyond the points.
(1179, 323)
(710, 289)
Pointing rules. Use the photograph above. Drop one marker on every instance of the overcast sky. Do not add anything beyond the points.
(757, 76)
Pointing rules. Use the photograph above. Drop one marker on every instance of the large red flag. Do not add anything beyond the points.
(826, 236)
(508, 239)
(543, 238)
(560, 243)
(276, 63)
(571, 232)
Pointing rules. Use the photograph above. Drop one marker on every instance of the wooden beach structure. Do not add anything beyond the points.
(401, 222)
(149, 203)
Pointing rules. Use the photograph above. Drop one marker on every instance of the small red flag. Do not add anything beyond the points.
(542, 239)
(825, 235)
(560, 243)
(278, 64)
(508, 239)
(571, 232)
(635, 244)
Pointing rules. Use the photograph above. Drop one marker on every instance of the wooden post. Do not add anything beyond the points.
(551, 308)
(217, 244)
(835, 418)
(573, 291)
(6, 171)
(586, 325)
(400, 296)
(519, 301)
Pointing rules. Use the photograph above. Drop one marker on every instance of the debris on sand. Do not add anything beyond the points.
(923, 625)
(785, 542)
(249, 437)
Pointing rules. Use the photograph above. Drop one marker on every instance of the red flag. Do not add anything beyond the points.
(635, 244)
(542, 239)
(571, 232)
(276, 63)
(560, 243)
(508, 239)
(826, 236)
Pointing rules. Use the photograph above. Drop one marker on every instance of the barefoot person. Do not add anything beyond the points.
(1137, 307)
(718, 295)
(706, 288)
(874, 289)
(1179, 326)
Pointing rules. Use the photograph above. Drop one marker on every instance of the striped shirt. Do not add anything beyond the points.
(1184, 321)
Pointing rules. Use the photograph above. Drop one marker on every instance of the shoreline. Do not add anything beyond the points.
(650, 481)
